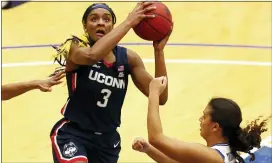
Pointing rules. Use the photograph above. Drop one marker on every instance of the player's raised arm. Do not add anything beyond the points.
(141, 77)
(176, 150)
(103, 46)
(157, 30)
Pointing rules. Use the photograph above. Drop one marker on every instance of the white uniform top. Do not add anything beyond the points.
(225, 152)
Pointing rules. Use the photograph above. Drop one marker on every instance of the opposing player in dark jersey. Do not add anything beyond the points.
(219, 126)
(97, 73)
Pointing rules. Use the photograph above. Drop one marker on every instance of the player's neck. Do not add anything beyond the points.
(213, 140)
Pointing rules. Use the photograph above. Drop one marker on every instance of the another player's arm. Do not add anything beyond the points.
(142, 78)
(158, 156)
(15, 89)
(176, 150)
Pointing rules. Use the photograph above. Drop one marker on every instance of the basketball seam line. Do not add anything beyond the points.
(164, 18)
(154, 28)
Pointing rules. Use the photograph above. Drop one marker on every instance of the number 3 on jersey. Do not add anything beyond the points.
(106, 96)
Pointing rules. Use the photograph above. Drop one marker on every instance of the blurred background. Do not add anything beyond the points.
(216, 49)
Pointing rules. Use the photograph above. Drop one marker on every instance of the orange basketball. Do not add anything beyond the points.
(153, 29)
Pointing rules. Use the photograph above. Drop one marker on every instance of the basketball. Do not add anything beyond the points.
(154, 29)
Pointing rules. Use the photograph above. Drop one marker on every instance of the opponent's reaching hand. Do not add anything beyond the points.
(157, 85)
(46, 84)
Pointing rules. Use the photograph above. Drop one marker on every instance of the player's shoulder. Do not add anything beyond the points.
(120, 48)
(130, 53)
(132, 56)
(225, 152)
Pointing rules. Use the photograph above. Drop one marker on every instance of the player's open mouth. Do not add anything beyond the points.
(100, 33)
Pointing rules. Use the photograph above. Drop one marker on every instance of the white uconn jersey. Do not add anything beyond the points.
(225, 152)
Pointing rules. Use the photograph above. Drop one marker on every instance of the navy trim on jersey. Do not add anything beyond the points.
(220, 154)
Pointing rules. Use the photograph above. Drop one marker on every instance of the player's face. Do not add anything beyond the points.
(206, 123)
(99, 23)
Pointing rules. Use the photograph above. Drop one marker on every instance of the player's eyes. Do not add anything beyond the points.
(93, 19)
(107, 19)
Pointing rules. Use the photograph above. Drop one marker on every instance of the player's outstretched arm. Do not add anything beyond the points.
(142, 145)
(15, 89)
(160, 66)
(174, 149)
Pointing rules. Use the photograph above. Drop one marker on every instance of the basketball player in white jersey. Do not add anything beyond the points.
(220, 127)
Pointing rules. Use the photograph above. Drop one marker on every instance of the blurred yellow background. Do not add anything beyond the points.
(195, 74)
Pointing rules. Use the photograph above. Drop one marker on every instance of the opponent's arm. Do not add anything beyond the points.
(142, 145)
(176, 150)
(15, 89)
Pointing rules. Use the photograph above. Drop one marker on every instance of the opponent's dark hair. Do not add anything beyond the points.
(228, 115)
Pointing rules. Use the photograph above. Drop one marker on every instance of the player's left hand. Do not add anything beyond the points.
(159, 45)
(55, 79)
(158, 85)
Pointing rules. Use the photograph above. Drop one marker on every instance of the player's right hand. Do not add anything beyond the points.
(140, 144)
(138, 13)
(158, 85)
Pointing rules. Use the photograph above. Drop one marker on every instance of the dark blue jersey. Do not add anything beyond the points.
(97, 92)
